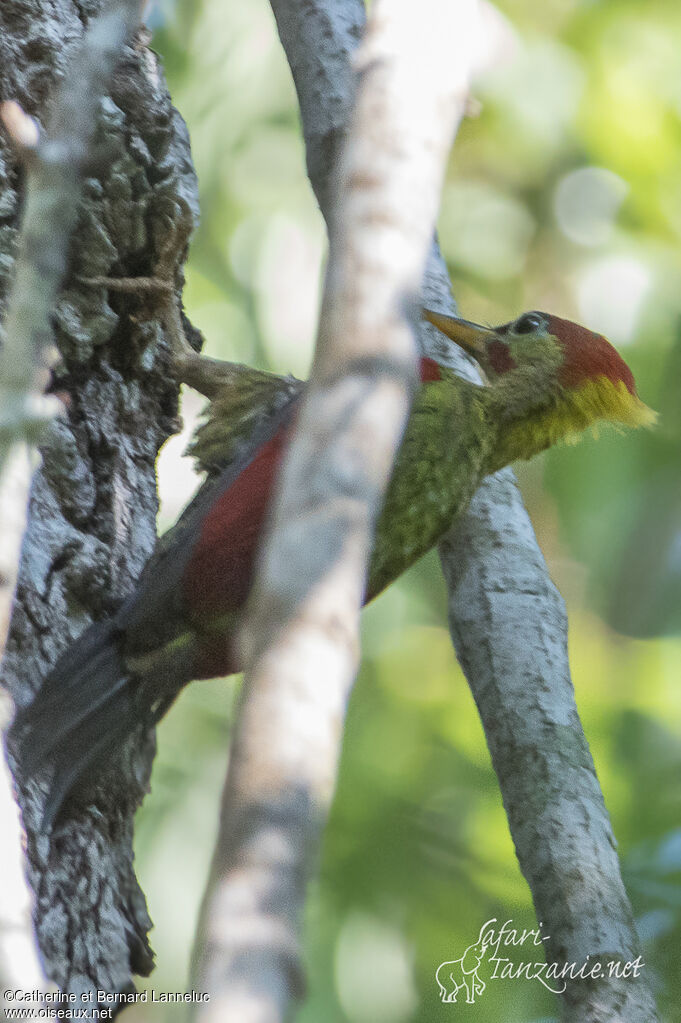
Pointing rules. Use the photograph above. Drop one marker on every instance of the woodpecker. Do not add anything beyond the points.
(546, 379)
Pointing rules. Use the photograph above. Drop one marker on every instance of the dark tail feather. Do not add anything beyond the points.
(84, 708)
(72, 769)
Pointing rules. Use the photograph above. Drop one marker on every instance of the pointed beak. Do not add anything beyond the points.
(472, 337)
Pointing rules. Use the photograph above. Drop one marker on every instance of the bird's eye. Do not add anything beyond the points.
(528, 323)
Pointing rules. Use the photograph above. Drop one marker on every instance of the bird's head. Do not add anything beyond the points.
(553, 379)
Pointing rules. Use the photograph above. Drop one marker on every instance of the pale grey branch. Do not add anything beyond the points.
(301, 634)
(509, 627)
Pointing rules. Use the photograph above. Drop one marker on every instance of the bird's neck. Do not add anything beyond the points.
(530, 412)
(526, 436)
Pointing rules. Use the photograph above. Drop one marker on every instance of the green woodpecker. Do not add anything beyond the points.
(546, 379)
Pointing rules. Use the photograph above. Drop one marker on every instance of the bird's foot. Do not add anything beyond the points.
(207, 376)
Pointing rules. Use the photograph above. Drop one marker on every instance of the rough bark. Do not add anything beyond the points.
(300, 638)
(507, 619)
(91, 519)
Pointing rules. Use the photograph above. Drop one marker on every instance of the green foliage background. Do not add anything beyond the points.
(563, 194)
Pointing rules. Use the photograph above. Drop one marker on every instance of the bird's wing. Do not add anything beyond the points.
(151, 614)
(233, 416)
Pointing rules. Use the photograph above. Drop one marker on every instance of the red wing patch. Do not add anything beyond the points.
(219, 573)
(218, 576)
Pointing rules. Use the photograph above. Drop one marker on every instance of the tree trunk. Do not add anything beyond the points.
(91, 521)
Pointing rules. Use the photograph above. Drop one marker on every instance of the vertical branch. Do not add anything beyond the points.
(301, 634)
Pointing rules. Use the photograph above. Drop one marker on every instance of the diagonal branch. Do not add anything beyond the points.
(509, 627)
(301, 636)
